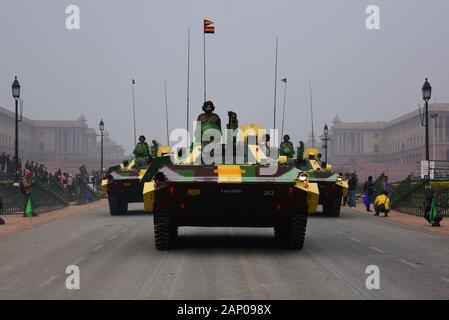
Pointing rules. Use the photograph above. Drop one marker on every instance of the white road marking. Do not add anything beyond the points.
(79, 260)
(338, 231)
(354, 239)
(132, 223)
(445, 279)
(113, 237)
(325, 225)
(378, 250)
(409, 263)
(48, 281)
(97, 247)
(124, 229)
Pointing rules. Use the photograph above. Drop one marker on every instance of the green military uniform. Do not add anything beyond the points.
(142, 153)
(208, 121)
(154, 149)
(286, 149)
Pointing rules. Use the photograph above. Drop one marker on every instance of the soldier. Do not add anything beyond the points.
(154, 148)
(209, 117)
(208, 120)
(300, 151)
(142, 152)
(233, 122)
(287, 147)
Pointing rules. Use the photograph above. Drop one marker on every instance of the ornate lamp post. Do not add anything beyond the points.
(426, 95)
(325, 139)
(16, 96)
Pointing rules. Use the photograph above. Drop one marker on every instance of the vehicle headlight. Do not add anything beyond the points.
(303, 177)
(339, 179)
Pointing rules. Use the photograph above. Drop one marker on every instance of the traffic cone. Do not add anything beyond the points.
(29, 209)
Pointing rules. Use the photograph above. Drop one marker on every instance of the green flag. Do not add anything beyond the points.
(29, 208)
(433, 211)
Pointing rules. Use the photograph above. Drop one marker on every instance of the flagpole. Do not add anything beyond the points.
(311, 113)
(275, 83)
(204, 55)
(134, 111)
(166, 111)
(188, 77)
(283, 113)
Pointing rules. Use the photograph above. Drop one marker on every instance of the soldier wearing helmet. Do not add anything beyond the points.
(208, 118)
(287, 147)
(142, 152)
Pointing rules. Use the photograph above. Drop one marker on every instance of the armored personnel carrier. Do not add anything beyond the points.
(122, 183)
(331, 185)
(258, 192)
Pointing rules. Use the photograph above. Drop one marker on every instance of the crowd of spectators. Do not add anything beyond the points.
(41, 174)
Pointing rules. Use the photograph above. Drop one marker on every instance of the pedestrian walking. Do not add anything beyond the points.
(368, 191)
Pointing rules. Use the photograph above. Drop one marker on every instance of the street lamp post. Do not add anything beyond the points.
(16, 96)
(427, 94)
(101, 145)
(325, 139)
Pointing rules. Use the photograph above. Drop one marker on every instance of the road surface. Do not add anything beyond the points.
(117, 259)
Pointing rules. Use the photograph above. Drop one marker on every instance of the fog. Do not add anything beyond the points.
(359, 74)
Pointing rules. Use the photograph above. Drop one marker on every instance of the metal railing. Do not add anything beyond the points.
(409, 195)
(46, 197)
(14, 201)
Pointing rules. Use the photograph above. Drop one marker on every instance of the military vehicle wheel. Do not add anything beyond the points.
(294, 233)
(165, 233)
(117, 206)
(332, 208)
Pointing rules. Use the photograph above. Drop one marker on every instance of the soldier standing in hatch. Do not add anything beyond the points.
(142, 152)
(209, 117)
(208, 120)
(287, 147)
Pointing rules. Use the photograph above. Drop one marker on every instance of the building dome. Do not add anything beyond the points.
(336, 119)
(82, 118)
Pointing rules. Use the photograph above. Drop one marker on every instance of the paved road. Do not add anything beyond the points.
(118, 260)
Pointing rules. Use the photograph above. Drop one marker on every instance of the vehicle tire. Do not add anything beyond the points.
(336, 207)
(165, 233)
(117, 206)
(332, 207)
(294, 234)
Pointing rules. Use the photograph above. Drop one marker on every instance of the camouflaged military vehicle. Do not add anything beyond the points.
(190, 193)
(331, 185)
(122, 183)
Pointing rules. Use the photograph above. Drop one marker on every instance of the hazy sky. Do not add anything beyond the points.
(356, 73)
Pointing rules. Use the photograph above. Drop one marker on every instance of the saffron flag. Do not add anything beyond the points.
(208, 26)
(433, 211)
(284, 80)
